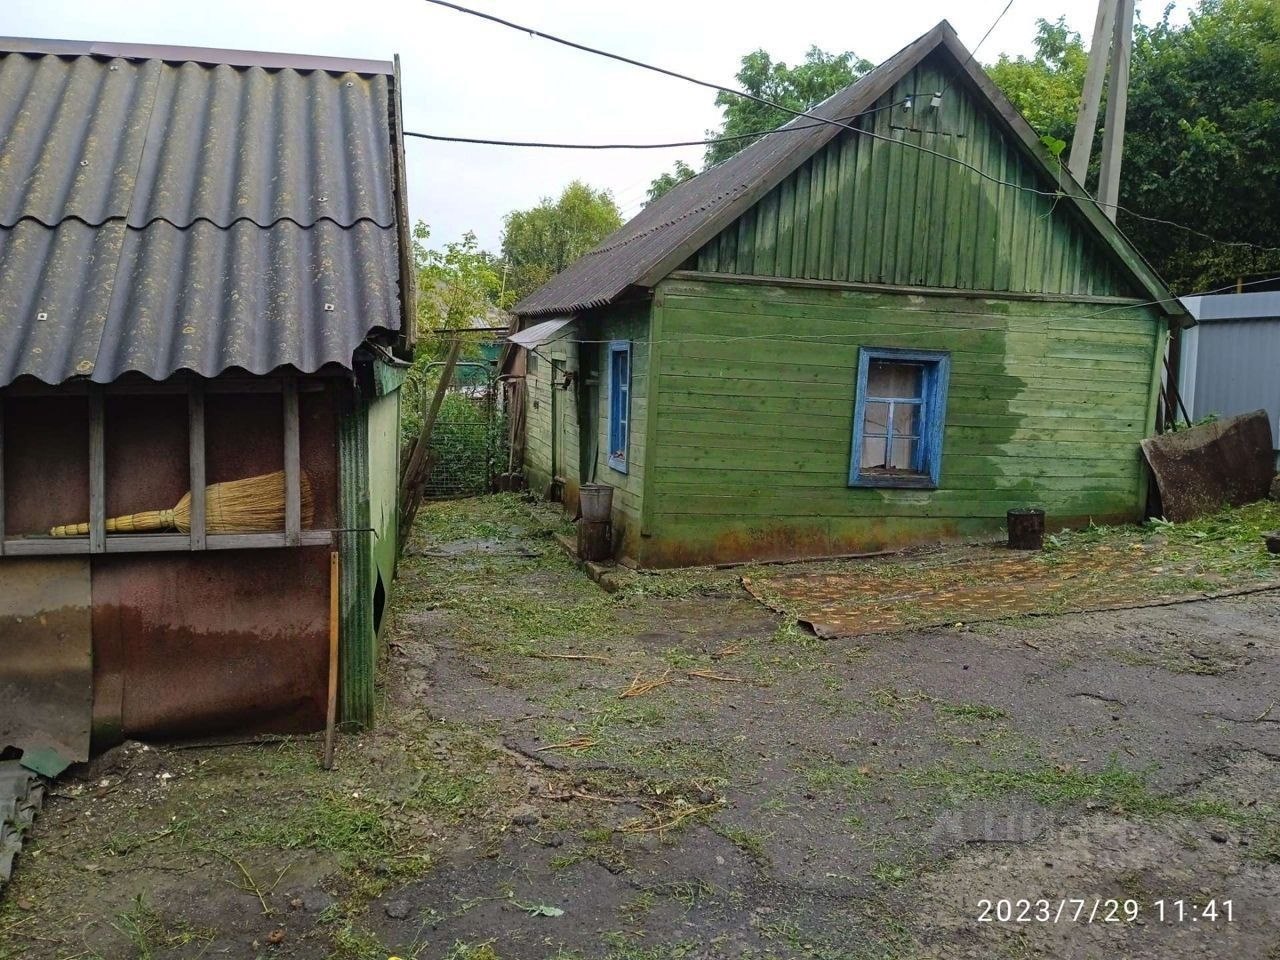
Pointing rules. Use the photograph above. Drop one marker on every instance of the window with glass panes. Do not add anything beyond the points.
(898, 418)
(619, 403)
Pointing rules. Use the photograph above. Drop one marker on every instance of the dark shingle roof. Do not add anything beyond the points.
(668, 231)
(160, 210)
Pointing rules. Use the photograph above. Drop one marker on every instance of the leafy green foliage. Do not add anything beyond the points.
(672, 178)
(799, 88)
(459, 286)
(1046, 87)
(1202, 146)
(1202, 137)
(539, 243)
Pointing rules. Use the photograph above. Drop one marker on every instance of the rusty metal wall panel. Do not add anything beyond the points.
(46, 463)
(45, 655)
(210, 643)
(146, 452)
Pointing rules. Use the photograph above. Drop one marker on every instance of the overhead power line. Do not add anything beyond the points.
(733, 138)
(974, 52)
(664, 71)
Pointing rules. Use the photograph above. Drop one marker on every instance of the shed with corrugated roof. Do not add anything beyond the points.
(203, 279)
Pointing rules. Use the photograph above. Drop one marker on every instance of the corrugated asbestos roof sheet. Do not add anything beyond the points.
(668, 231)
(167, 214)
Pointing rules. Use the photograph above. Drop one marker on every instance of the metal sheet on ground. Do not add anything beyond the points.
(1204, 468)
(46, 660)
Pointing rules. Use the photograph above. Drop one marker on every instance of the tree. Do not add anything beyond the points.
(799, 88)
(1202, 142)
(539, 243)
(677, 175)
(1046, 87)
(1202, 146)
(457, 286)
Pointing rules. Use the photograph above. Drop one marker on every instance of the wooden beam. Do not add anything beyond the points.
(292, 466)
(420, 463)
(407, 274)
(1, 475)
(1117, 106)
(1087, 118)
(196, 454)
(178, 385)
(97, 473)
(857, 286)
(157, 543)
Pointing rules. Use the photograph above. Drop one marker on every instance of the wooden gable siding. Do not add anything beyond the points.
(753, 417)
(872, 211)
(552, 415)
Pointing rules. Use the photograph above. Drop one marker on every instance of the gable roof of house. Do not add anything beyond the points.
(166, 209)
(671, 229)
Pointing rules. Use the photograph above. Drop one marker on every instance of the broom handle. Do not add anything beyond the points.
(133, 523)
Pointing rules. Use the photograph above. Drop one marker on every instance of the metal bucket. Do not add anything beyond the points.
(595, 500)
(1026, 528)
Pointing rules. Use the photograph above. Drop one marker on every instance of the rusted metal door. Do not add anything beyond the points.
(46, 658)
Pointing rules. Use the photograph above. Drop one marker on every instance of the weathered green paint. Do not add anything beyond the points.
(369, 470)
(745, 399)
(556, 444)
(384, 508)
(867, 210)
(752, 428)
(357, 652)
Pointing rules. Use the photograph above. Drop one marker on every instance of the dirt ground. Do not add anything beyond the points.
(763, 793)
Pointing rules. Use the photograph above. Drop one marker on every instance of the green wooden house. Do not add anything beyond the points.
(855, 337)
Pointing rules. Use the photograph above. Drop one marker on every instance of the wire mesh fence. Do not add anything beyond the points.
(468, 443)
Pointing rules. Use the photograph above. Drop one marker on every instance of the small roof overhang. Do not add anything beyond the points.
(540, 333)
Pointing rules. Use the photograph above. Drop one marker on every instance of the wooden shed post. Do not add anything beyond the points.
(195, 435)
(1, 474)
(292, 466)
(97, 472)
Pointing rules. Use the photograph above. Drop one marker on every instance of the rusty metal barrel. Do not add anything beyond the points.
(595, 501)
(1026, 528)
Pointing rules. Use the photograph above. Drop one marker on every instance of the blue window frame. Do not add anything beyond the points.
(898, 415)
(619, 403)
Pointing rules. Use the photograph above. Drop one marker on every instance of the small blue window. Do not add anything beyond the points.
(619, 403)
(898, 416)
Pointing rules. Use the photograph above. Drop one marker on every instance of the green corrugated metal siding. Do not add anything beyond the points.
(866, 210)
(358, 651)
(384, 509)
(369, 471)
(751, 440)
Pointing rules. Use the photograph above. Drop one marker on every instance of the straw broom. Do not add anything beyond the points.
(234, 506)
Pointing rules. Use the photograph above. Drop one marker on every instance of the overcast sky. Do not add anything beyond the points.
(466, 77)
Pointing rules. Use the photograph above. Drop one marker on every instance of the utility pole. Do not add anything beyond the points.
(1112, 47)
